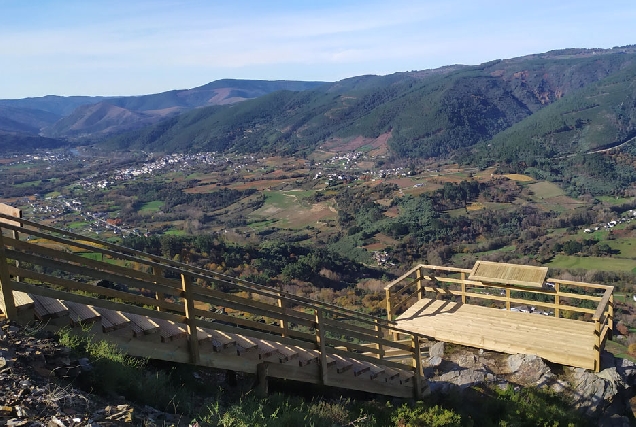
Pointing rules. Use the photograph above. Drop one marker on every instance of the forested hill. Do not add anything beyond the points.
(426, 113)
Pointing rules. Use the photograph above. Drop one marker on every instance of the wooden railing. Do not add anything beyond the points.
(561, 297)
(48, 262)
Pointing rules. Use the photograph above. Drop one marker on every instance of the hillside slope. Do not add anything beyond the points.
(116, 115)
(428, 113)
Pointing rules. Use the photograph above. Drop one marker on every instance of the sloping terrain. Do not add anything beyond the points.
(429, 113)
(83, 117)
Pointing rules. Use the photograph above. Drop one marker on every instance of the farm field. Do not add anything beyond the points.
(593, 263)
(626, 246)
(151, 207)
(290, 210)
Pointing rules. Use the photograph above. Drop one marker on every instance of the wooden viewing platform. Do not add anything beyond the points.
(159, 308)
(507, 308)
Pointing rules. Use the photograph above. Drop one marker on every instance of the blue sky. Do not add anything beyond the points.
(115, 47)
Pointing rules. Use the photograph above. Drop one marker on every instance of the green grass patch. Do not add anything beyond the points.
(78, 224)
(592, 263)
(96, 256)
(259, 224)
(175, 232)
(151, 207)
(27, 184)
(545, 190)
(626, 246)
(612, 200)
(53, 194)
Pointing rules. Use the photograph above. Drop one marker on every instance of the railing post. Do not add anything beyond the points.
(419, 277)
(463, 279)
(597, 356)
(390, 316)
(508, 297)
(9, 308)
(159, 296)
(417, 367)
(557, 300)
(191, 322)
(282, 304)
(16, 236)
(380, 334)
(321, 344)
(610, 317)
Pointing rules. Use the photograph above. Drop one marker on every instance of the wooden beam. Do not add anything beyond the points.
(9, 307)
(418, 289)
(159, 296)
(417, 367)
(283, 321)
(191, 321)
(322, 345)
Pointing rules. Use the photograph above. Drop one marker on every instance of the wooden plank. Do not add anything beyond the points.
(536, 334)
(141, 325)
(111, 320)
(514, 274)
(602, 306)
(191, 320)
(6, 284)
(257, 334)
(85, 271)
(98, 266)
(90, 288)
(48, 308)
(343, 329)
(322, 346)
(11, 212)
(65, 296)
(81, 313)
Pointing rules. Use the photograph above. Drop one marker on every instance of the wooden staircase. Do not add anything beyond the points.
(171, 311)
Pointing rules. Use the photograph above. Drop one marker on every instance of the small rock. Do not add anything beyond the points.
(14, 422)
(614, 421)
(25, 384)
(434, 361)
(436, 349)
(85, 365)
(528, 369)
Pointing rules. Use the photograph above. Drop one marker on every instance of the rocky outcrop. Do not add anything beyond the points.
(36, 387)
(604, 396)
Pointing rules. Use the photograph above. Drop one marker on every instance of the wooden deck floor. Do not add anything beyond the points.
(563, 341)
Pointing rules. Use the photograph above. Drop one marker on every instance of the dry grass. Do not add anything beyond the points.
(519, 177)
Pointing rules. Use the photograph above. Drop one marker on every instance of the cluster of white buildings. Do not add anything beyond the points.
(613, 223)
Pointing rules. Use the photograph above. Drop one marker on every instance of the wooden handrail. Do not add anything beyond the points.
(602, 306)
(331, 322)
(177, 267)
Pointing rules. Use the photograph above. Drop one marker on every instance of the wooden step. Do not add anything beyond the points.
(360, 368)
(306, 357)
(245, 344)
(112, 320)
(170, 330)
(376, 371)
(265, 349)
(285, 353)
(81, 313)
(48, 308)
(342, 364)
(220, 341)
(141, 325)
(22, 300)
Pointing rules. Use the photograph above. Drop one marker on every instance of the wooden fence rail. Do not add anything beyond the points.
(49, 267)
